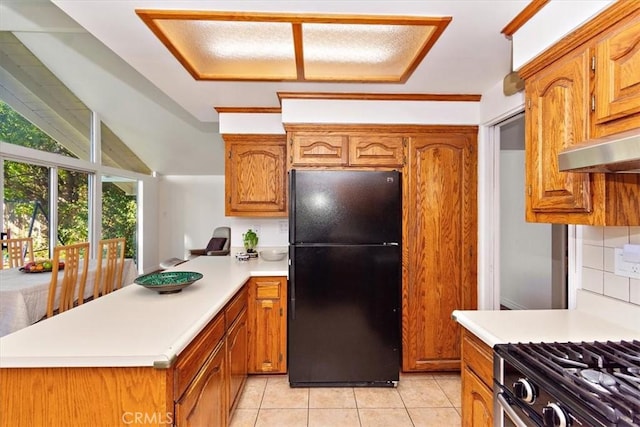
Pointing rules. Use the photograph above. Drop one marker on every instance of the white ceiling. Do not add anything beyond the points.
(113, 62)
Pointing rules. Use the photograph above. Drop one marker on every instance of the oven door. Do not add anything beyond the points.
(509, 412)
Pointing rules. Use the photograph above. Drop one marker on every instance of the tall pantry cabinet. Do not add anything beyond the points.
(440, 232)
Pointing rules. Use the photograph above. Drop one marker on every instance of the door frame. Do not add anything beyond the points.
(489, 219)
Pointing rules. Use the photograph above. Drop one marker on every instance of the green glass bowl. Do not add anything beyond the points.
(168, 282)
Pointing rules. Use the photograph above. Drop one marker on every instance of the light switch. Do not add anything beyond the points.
(624, 268)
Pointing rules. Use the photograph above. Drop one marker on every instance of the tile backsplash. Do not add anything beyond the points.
(598, 245)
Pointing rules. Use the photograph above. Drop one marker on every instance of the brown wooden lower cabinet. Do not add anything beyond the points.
(477, 382)
(237, 355)
(204, 402)
(267, 325)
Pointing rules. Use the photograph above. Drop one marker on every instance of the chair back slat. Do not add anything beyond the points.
(110, 266)
(74, 277)
(20, 250)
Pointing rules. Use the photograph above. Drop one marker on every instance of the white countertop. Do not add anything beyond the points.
(134, 326)
(598, 318)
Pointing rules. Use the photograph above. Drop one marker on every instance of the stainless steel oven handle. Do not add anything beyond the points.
(506, 407)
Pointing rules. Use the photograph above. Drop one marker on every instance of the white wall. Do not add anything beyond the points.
(550, 24)
(380, 111)
(597, 268)
(148, 224)
(525, 248)
(190, 207)
(258, 123)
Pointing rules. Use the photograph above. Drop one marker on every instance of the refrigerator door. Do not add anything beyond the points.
(350, 207)
(344, 315)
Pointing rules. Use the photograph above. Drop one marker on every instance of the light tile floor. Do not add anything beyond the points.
(420, 400)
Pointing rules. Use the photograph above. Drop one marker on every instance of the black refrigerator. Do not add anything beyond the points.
(345, 276)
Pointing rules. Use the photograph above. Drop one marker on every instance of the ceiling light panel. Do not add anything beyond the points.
(361, 52)
(258, 46)
(219, 50)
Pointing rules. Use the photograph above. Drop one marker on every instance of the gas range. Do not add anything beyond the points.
(567, 384)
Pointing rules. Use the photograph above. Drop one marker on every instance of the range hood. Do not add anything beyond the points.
(614, 154)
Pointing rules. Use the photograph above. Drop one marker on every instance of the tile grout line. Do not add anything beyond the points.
(357, 407)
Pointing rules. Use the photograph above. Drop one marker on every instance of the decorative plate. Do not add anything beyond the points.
(168, 282)
(43, 266)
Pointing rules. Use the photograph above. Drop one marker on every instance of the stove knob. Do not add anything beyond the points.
(524, 390)
(554, 416)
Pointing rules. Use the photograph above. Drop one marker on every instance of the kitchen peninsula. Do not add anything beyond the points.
(133, 353)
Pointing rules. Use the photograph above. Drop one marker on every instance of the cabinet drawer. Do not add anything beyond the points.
(319, 150)
(376, 150)
(479, 357)
(237, 304)
(267, 289)
(194, 356)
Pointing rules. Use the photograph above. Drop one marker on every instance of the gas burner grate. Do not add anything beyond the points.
(601, 378)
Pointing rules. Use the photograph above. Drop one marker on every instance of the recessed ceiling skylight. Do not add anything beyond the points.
(287, 47)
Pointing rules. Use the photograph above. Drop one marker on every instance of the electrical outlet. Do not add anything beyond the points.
(625, 269)
(283, 226)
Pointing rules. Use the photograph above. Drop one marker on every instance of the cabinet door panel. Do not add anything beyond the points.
(255, 175)
(477, 401)
(618, 75)
(204, 403)
(556, 119)
(440, 236)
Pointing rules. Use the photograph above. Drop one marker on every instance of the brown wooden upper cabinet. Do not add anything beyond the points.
(255, 175)
(584, 87)
(617, 80)
(551, 128)
(337, 147)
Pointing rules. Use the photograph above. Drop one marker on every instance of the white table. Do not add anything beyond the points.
(23, 296)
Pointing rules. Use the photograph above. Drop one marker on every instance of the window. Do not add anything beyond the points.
(119, 207)
(26, 204)
(73, 206)
(48, 197)
(15, 129)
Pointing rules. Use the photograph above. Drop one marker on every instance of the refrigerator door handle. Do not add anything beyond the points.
(391, 244)
(292, 283)
(292, 301)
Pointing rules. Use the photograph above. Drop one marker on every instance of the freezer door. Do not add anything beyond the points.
(344, 315)
(350, 207)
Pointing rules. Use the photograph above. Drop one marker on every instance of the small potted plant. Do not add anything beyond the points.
(250, 240)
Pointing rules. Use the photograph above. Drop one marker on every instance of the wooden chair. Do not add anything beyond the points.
(74, 277)
(20, 249)
(110, 266)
